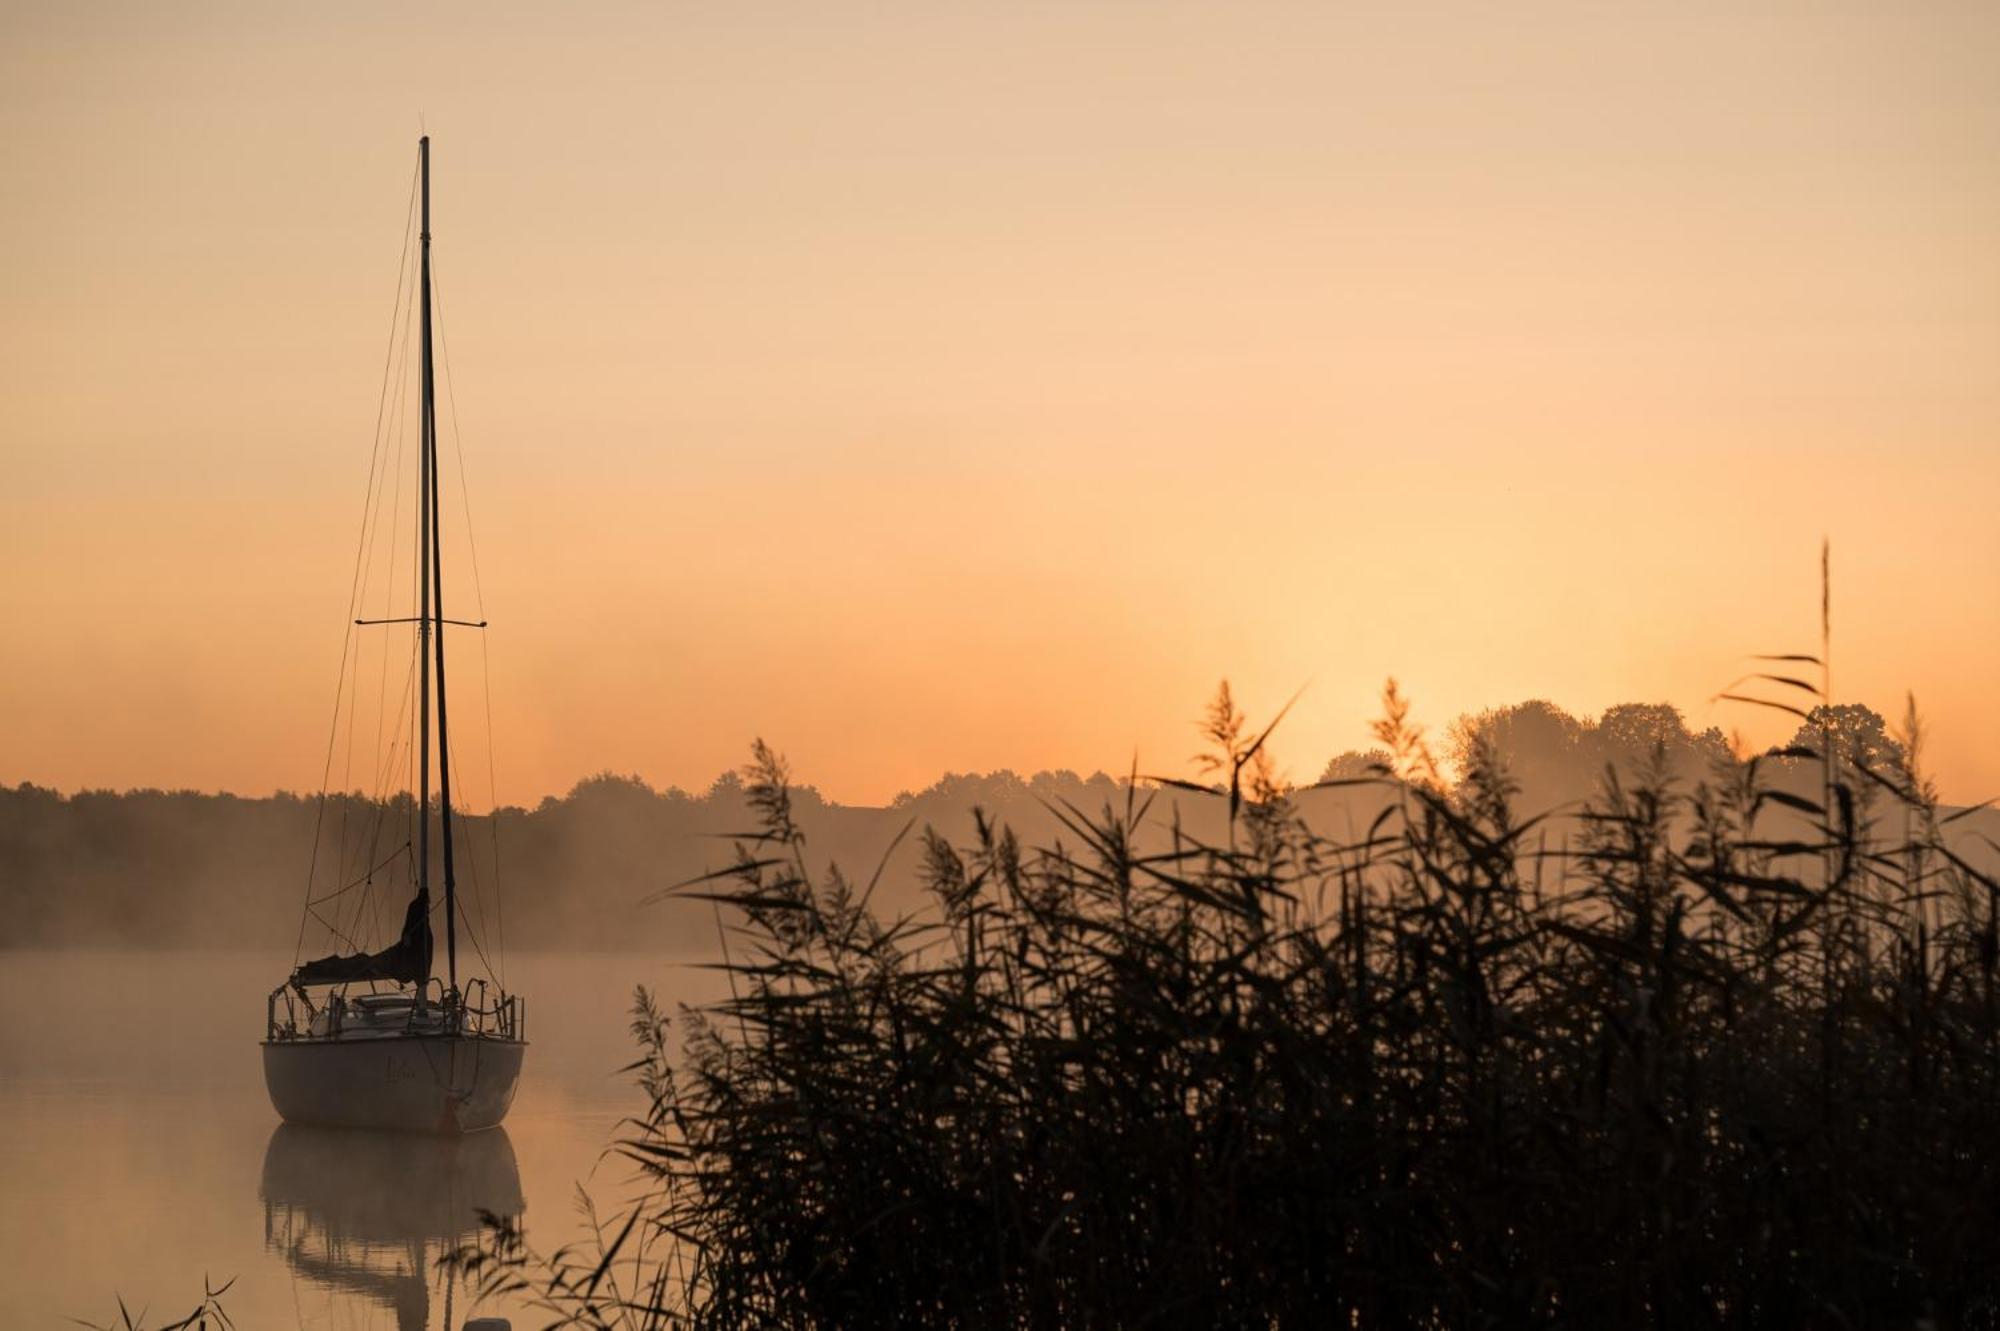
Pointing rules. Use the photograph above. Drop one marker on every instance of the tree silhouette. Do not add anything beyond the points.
(1858, 734)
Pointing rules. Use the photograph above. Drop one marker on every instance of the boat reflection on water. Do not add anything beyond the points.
(367, 1214)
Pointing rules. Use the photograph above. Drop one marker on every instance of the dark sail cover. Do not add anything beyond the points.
(406, 961)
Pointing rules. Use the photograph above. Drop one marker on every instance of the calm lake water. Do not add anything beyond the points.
(138, 1150)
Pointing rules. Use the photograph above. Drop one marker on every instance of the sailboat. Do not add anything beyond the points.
(385, 1044)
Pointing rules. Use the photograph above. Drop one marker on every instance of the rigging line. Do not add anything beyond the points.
(457, 439)
(399, 428)
(347, 636)
(472, 935)
(472, 861)
(355, 856)
(375, 830)
(365, 878)
(366, 900)
(339, 939)
(383, 770)
(370, 514)
(386, 771)
(413, 809)
(392, 546)
(349, 682)
(417, 770)
(479, 898)
(333, 931)
(372, 525)
(389, 575)
(493, 816)
(349, 936)
(370, 522)
(479, 903)
(479, 595)
(379, 802)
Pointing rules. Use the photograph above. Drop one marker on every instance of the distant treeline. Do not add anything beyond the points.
(186, 869)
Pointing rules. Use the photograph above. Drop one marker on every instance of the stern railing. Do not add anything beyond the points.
(480, 1010)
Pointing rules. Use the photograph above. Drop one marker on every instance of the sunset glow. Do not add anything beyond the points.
(948, 388)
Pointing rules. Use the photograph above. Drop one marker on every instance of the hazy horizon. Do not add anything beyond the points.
(941, 390)
(1293, 771)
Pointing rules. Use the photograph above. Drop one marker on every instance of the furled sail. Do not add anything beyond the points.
(405, 961)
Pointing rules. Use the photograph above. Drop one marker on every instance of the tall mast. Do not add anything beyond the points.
(433, 592)
(424, 549)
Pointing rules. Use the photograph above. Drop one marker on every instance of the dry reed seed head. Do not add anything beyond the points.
(1353, 1078)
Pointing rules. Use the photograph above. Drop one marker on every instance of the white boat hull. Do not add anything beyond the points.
(435, 1083)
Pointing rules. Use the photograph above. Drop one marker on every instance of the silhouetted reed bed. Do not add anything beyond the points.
(1724, 1056)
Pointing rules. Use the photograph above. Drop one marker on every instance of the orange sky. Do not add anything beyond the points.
(944, 387)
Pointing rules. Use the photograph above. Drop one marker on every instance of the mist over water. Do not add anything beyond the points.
(150, 868)
(139, 1153)
(138, 1150)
